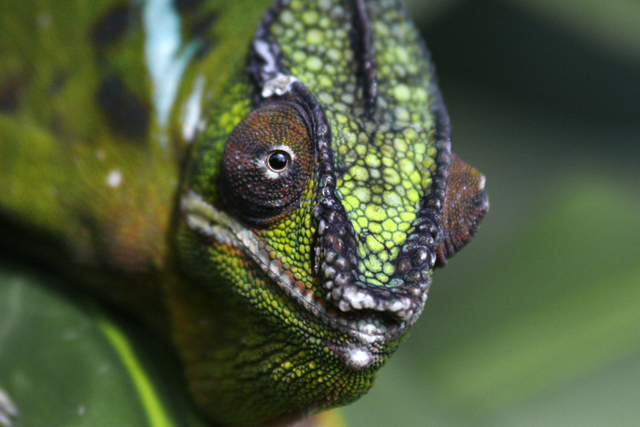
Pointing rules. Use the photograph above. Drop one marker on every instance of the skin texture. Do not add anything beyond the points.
(276, 208)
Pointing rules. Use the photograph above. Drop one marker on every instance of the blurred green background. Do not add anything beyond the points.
(537, 321)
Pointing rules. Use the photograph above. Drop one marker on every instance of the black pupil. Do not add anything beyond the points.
(278, 160)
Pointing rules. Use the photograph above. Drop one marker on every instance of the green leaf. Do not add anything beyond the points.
(65, 362)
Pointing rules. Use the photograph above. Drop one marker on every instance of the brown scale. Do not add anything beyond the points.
(267, 163)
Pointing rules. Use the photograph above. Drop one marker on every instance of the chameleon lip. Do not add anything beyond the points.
(369, 329)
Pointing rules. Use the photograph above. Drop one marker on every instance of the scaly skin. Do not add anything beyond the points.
(280, 217)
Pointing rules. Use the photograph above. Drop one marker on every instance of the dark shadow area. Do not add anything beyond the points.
(499, 48)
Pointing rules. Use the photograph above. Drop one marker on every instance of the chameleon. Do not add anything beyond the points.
(267, 184)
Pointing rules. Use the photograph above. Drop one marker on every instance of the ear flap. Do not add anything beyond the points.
(465, 205)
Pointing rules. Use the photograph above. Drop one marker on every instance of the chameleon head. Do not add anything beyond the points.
(315, 203)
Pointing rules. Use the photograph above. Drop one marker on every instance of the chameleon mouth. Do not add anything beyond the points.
(370, 329)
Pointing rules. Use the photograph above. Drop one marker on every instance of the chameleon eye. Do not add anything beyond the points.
(278, 161)
(267, 162)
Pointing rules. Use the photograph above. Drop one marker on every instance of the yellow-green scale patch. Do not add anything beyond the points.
(384, 163)
(291, 241)
(316, 46)
(234, 105)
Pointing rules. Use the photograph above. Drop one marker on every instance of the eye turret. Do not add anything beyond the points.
(267, 163)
